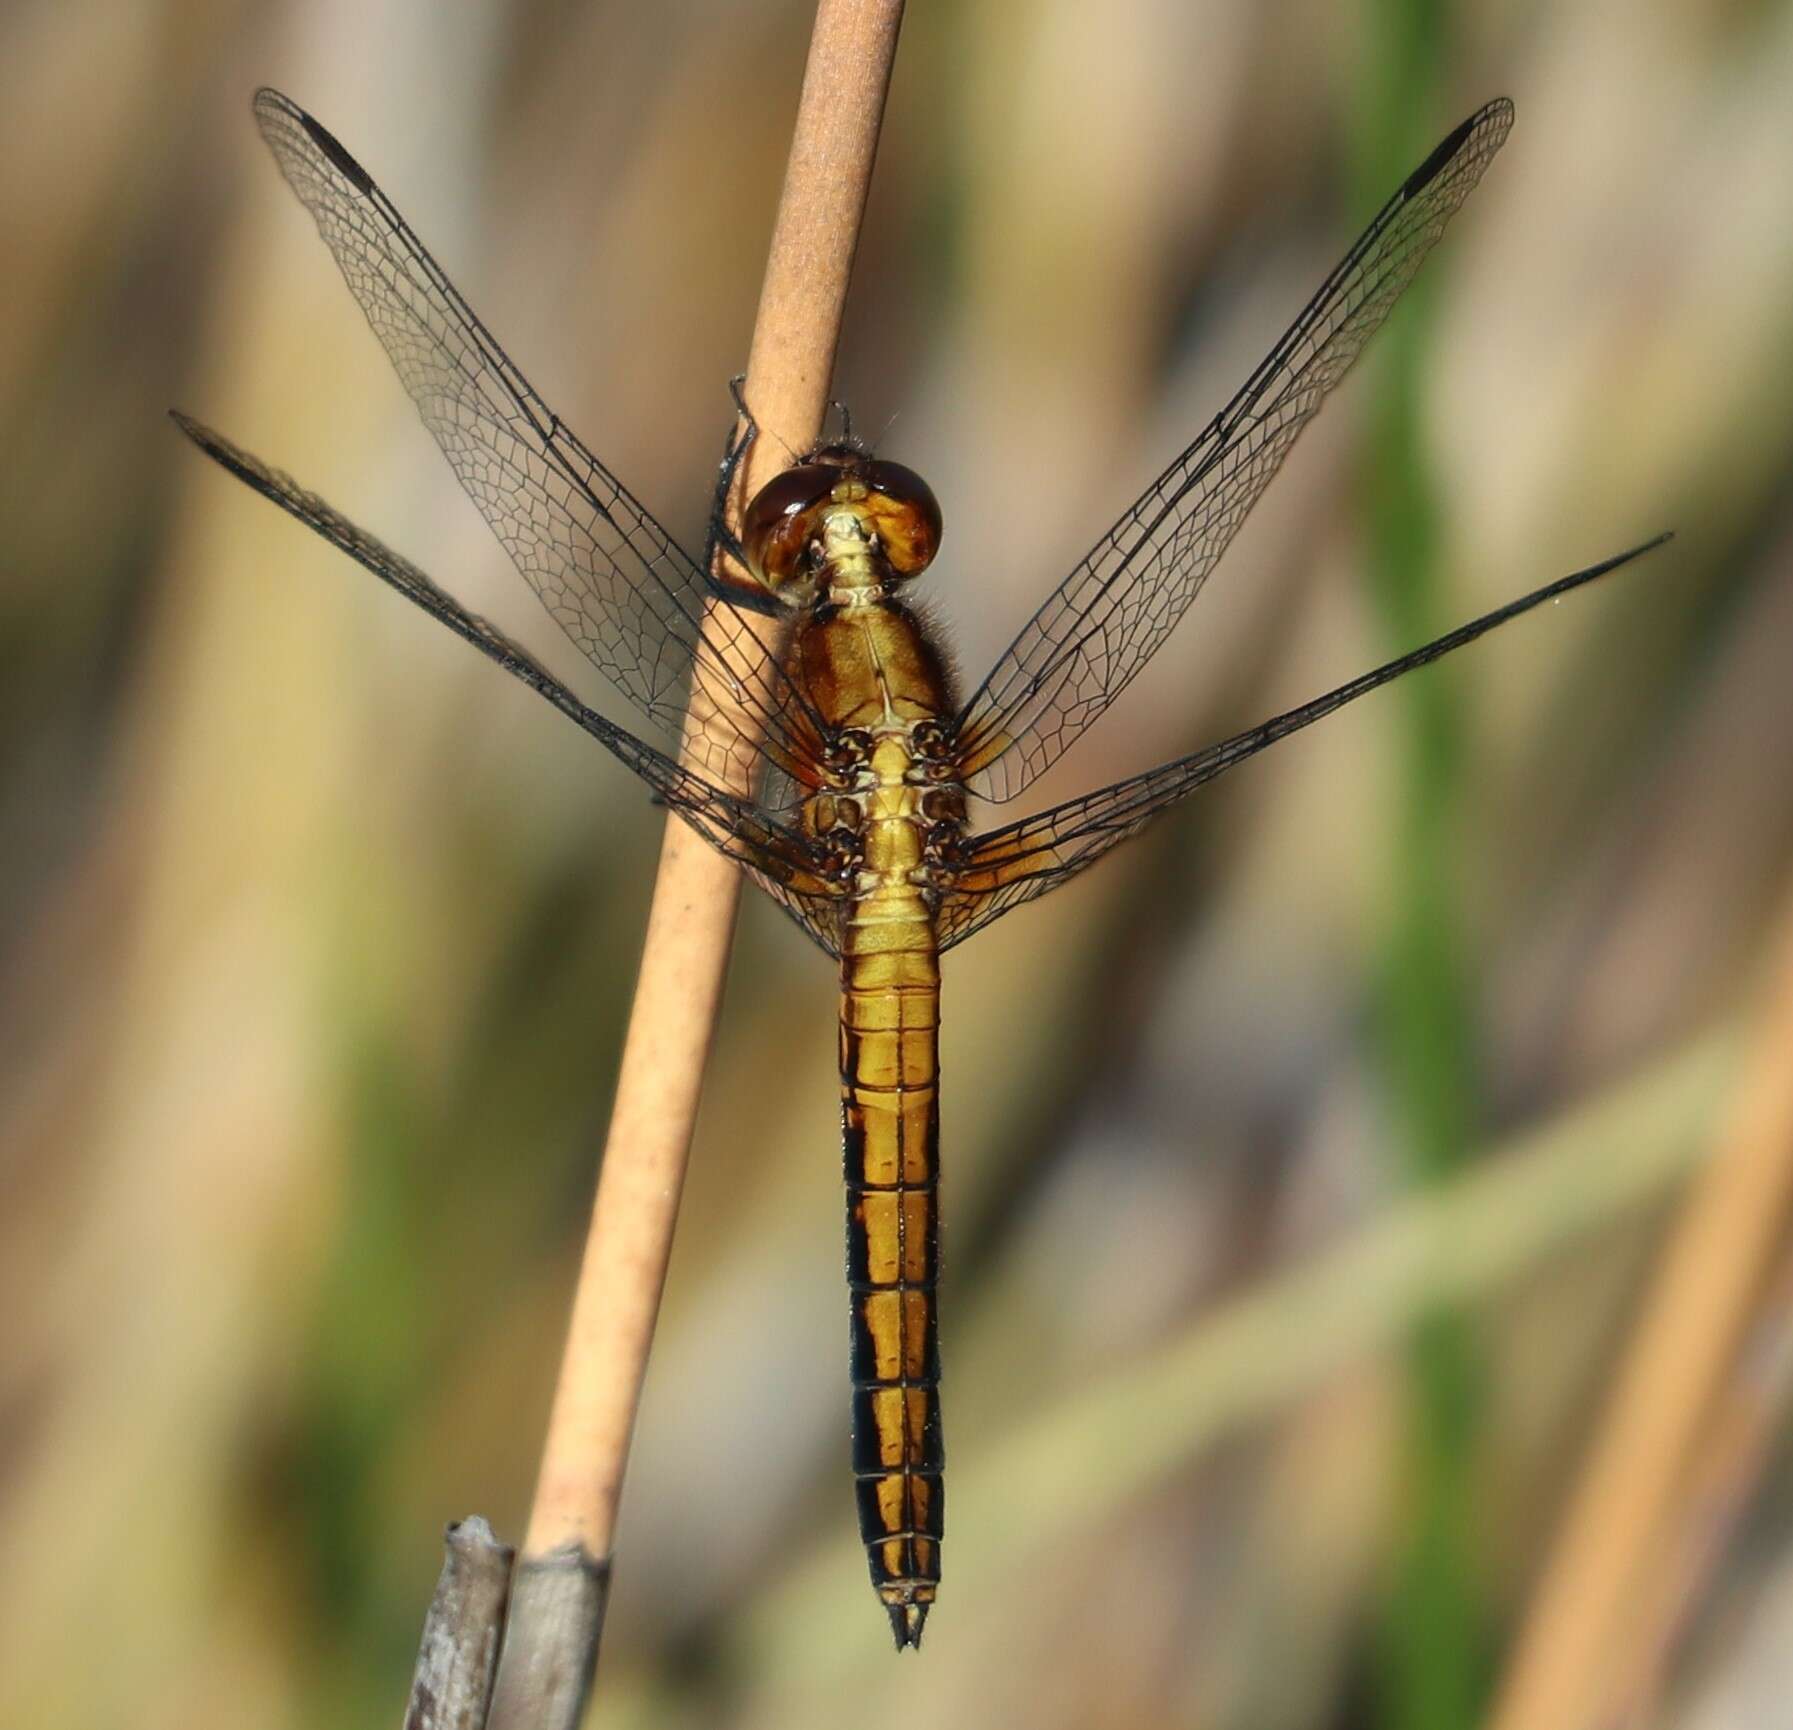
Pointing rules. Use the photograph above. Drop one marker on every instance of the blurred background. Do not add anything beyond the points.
(1305, 1162)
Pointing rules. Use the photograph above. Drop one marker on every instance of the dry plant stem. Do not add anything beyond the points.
(1734, 1453)
(459, 1650)
(550, 1642)
(1696, 1317)
(696, 893)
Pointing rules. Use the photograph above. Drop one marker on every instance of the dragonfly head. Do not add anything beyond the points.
(839, 495)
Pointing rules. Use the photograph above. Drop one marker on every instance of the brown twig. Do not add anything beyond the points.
(691, 924)
(1694, 1323)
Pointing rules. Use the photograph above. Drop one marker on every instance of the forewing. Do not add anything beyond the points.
(1108, 617)
(612, 578)
(777, 857)
(1024, 860)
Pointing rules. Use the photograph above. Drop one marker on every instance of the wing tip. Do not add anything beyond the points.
(229, 457)
(196, 430)
(1639, 551)
(271, 106)
(1493, 119)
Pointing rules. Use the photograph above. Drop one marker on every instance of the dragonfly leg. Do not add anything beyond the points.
(846, 423)
(721, 542)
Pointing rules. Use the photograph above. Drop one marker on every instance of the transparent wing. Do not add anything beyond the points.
(778, 858)
(1109, 616)
(1024, 860)
(612, 578)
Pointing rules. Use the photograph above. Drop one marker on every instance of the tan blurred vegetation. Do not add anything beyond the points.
(319, 935)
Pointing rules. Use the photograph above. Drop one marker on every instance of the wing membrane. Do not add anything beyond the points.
(775, 856)
(1109, 616)
(1024, 860)
(611, 577)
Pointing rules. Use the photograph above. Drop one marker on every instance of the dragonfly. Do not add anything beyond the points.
(839, 763)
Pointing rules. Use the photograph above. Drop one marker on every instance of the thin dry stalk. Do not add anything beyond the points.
(1712, 1279)
(691, 925)
(1734, 1453)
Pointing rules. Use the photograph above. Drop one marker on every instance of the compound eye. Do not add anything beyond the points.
(778, 524)
(901, 509)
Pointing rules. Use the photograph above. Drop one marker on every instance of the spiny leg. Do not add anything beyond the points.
(721, 539)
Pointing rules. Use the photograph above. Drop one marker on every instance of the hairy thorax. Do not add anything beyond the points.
(888, 805)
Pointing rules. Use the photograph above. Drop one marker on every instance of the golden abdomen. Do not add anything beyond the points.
(890, 1135)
